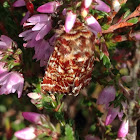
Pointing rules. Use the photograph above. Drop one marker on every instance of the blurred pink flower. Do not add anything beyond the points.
(112, 114)
(70, 20)
(5, 42)
(49, 7)
(87, 3)
(64, 12)
(93, 24)
(19, 3)
(10, 82)
(124, 128)
(137, 35)
(126, 78)
(26, 133)
(101, 6)
(32, 117)
(107, 95)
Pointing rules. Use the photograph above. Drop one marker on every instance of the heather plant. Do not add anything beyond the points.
(75, 66)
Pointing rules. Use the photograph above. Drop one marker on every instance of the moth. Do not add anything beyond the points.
(71, 64)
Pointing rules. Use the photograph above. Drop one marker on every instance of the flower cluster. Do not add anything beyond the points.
(33, 132)
(10, 82)
(29, 132)
(106, 96)
(43, 24)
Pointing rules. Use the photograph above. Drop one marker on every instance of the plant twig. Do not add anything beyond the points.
(131, 113)
(123, 23)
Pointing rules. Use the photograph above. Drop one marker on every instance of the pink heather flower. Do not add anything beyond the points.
(49, 7)
(10, 82)
(43, 50)
(39, 18)
(27, 15)
(124, 128)
(101, 6)
(90, 137)
(36, 99)
(34, 37)
(70, 20)
(32, 117)
(19, 3)
(64, 12)
(93, 24)
(26, 133)
(107, 95)
(112, 114)
(5, 42)
(34, 95)
(43, 24)
(87, 3)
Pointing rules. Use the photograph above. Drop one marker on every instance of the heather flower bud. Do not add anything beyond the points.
(49, 7)
(39, 18)
(19, 3)
(107, 95)
(123, 130)
(32, 117)
(101, 6)
(26, 133)
(27, 15)
(112, 114)
(70, 20)
(34, 96)
(93, 24)
(5, 42)
(87, 3)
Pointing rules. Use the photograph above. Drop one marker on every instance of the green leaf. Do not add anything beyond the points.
(106, 61)
(101, 55)
(2, 109)
(69, 134)
(105, 26)
(127, 13)
(6, 5)
(133, 20)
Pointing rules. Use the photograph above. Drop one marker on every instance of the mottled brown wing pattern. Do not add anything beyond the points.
(70, 66)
